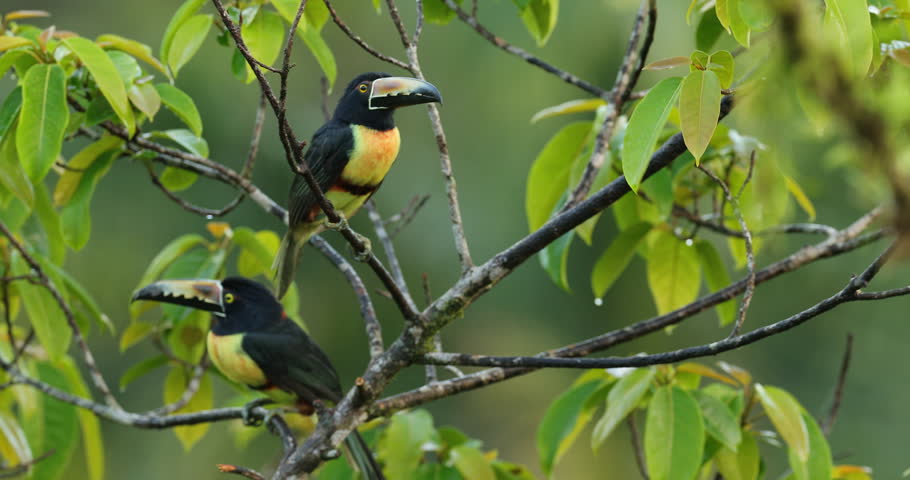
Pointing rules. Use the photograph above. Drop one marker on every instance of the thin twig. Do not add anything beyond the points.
(389, 247)
(255, 137)
(16, 470)
(430, 370)
(750, 256)
(359, 41)
(828, 423)
(565, 76)
(192, 386)
(406, 215)
(636, 446)
(190, 207)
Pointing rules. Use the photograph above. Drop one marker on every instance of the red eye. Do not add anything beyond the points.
(363, 88)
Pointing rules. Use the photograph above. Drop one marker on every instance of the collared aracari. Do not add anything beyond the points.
(349, 156)
(253, 342)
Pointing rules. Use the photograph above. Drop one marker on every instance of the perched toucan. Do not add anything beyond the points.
(349, 157)
(253, 342)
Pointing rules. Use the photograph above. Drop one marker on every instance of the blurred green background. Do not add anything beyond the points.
(489, 99)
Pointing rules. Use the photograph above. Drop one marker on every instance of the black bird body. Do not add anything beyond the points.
(252, 341)
(349, 157)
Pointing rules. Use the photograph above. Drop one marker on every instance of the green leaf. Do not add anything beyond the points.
(699, 107)
(723, 13)
(59, 425)
(786, 415)
(436, 11)
(14, 447)
(186, 41)
(53, 230)
(554, 260)
(139, 50)
(259, 250)
(757, 15)
(658, 188)
(76, 215)
(106, 76)
(720, 423)
(400, 448)
(565, 419)
(848, 25)
(740, 464)
(182, 105)
(134, 333)
(126, 66)
(717, 277)
(674, 435)
(264, 37)
(471, 463)
(818, 465)
(708, 31)
(674, 273)
(801, 198)
(566, 108)
(145, 98)
(10, 59)
(77, 168)
(43, 313)
(186, 10)
(645, 126)
(550, 172)
(89, 423)
(738, 26)
(511, 471)
(85, 299)
(174, 386)
(539, 17)
(177, 179)
(42, 120)
(721, 63)
(187, 338)
(622, 399)
(9, 43)
(12, 175)
(667, 64)
(616, 258)
(321, 52)
(98, 111)
(186, 139)
(9, 111)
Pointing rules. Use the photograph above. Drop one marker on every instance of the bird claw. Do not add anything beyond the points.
(364, 255)
(339, 225)
(250, 419)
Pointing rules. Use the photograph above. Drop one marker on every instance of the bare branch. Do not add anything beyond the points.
(636, 446)
(404, 217)
(190, 207)
(389, 247)
(16, 470)
(828, 423)
(750, 256)
(238, 470)
(191, 388)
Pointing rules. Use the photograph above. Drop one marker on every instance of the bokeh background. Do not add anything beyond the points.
(489, 99)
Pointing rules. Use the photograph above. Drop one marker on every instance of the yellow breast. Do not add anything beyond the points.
(373, 155)
(227, 354)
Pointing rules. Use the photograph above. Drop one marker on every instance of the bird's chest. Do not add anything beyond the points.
(226, 352)
(373, 154)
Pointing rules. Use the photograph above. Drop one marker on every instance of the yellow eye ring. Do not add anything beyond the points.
(362, 88)
(228, 298)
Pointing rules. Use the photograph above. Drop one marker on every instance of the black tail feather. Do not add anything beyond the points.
(363, 458)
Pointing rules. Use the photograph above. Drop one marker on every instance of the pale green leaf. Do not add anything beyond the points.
(786, 415)
(59, 425)
(78, 165)
(554, 259)
(145, 98)
(720, 422)
(471, 463)
(181, 105)
(708, 31)
(134, 333)
(187, 40)
(566, 108)
(42, 121)
(801, 198)
(43, 312)
(699, 107)
(550, 172)
(674, 435)
(186, 10)
(258, 252)
(616, 258)
(9, 42)
(667, 63)
(139, 50)
(622, 399)
(76, 215)
(9, 111)
(264, 37)
(721, 63)
(85, 299)
(645, 126)
(106, 76)
(177, 179)
(848, 25)
(741, 464)
(12, 176)
(400, 448)
(174, 386)
(565, 418)
(717, 277)
(539, 17)
(89, 423)
(738, 26)
(321, 52)
(436, 11)
(186, 139)
(674, 272)
(818, 465)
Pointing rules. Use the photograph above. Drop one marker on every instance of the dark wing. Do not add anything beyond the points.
(292, 361)
(327, 155)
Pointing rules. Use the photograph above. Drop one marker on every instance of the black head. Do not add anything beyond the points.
(238, 304)
(371, 98)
